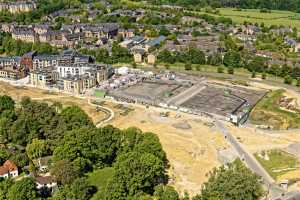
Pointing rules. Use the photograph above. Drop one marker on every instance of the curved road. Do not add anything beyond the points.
(108, 110)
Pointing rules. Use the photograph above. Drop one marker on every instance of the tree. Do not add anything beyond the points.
(215, 59)
(298, 82)
(198, 67)
(257, 64)
(196, 56)
(5, 185)
(134, 65)
(24, 189)
(231, 182)
(166, 57)
(288, 80)
(220, 69)
(188, 66)
(74, 117)
(36, 149)
(135, 172)
(232, 58)
(230, 70)
(253, 74)
(64, 172)
(163, 192)
(6, 103)
(79, 190)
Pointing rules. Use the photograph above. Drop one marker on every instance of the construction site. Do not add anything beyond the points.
(194, 95)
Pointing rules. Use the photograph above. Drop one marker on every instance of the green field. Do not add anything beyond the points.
(279, 162)
(268, 112)
(276, 17)
(99, 178)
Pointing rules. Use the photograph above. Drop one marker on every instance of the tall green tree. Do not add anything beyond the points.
(24, 189)
(36, 148)
(135, 172)
(232, 182)
(6, 103)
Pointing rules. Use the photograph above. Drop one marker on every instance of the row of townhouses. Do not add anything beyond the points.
(68, 35)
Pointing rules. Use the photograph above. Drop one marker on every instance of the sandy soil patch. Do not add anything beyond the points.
(192, 152)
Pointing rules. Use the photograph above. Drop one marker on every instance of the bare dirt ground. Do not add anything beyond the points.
(192, 152)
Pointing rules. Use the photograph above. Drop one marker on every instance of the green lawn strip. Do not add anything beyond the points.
(278, 160)
(269, 104)
(99, 178)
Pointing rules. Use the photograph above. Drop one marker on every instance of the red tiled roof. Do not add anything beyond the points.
(8, 166)
(3, 170)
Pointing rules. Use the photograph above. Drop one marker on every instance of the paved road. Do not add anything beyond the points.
(251, 162)
(109, 111)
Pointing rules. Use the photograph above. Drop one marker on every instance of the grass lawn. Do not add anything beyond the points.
(99, 178)
(268, 112)
(276, 17)
(279, 162)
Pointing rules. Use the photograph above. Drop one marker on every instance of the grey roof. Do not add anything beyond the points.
(46, 57)
(156, 41)
(11, 59)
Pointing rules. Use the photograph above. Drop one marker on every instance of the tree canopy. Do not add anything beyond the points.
(231, 182)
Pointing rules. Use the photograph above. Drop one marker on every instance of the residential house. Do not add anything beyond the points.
(18, 6)
(43, 163)
(295, 46)
(208, 44)
(41, 28)
(151, 59)
(45, 182)
(126, 33)
(250, 29)
(282, 31)
(9, 169)
(138, 55)
(25, 35)
(154, 43)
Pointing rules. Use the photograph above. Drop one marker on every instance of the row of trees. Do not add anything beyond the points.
(12, 47)
(118, 54)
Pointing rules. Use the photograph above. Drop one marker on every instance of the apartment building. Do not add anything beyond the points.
(43, 78)
(45, 61)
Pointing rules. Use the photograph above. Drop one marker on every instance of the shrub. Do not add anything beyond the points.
(230, 70)
(220, 69)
